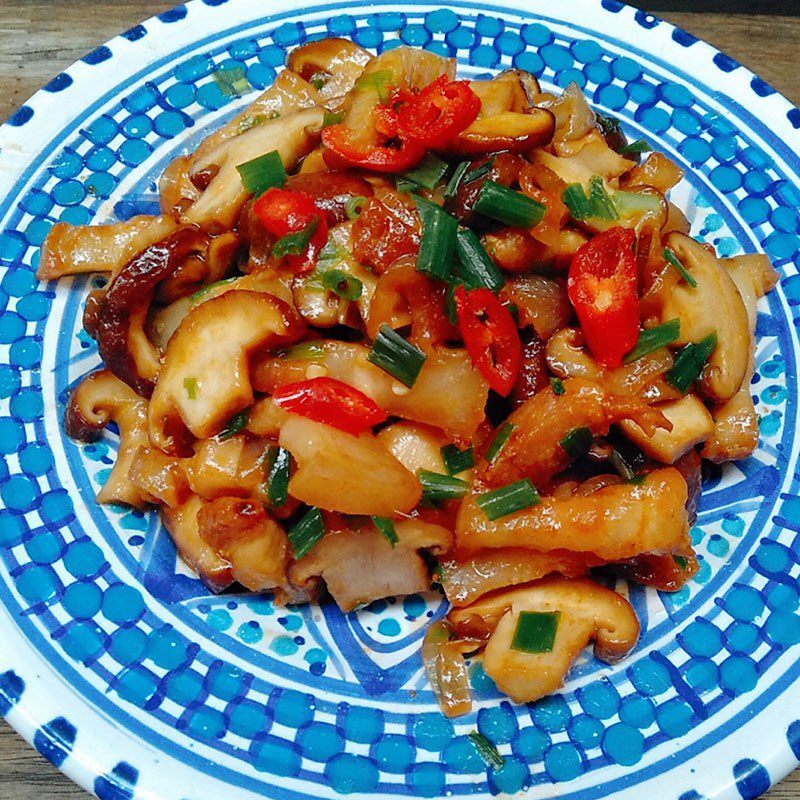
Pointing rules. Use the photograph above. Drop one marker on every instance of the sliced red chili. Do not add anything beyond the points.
(491, 337)
(284, 212)
(330, 402)
(441, 111)
(603, 288)
(343, 150)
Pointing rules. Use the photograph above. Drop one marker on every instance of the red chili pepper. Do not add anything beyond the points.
(342, 150)
(491, 337)
(603, 288)
(441, 111)
(330, 402)
(283, 212)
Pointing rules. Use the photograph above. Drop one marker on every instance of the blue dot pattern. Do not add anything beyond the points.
(148, 644)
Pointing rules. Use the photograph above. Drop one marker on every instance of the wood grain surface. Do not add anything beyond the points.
(38, 39)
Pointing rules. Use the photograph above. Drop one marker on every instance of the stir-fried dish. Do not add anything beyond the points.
(393, 330)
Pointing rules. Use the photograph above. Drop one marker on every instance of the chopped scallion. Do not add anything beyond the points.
(681, 561)
(597, 204)
(479, 171)
(508, 499)
(278, 477)
(536, 631)
(319, 79)
(672, 259)
(393, 354)
(295, 244)
(451, 189)
(404, 185)
(428, 173)
(192, 390)
(262, 173)
(636, 148)
(438, 239)
(200, 293)
(487, 751)
(577, 202)
(509, 207)
(690, 362)
(436, 487)
(456, 460)
(621, 465)
(500, 440)
(332, 118)
(342, 284)
(558, 386)
(306, 351)
(232, 82)
(387, 529)
(608, 124)
(307, 532)
(236, 424)
(476, 268)
(378, 82)
(653, 339)
(577, 442)
(354, 207)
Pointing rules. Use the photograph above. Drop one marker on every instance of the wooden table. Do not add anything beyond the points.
(38, 38)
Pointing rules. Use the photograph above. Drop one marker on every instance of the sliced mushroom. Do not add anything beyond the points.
(232, 467)
(713, 306)
(617, 521)
(667, 573)
(175, 187)
(334, 63)
(585, 611)
(159, 476)
(417, 447)
(447, 670)
(657, 171)
(205, 377)
(506, 131)
(254, 544)
(332, 191)
(574, 118)
(542, 303)
(360, 565)
(592, 156)
(101, 398)
(502, 93)
(337, 471)
(75, 249)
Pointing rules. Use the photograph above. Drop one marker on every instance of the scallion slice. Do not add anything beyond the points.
(192, 390)
(200, 293)
(621, 465)
(476, 268)
(307, 532)
(608, 124)
(636, 148)
(653, 339)
(436, 487)
(236, 424)
(597, 204)
(387, 529)
(306, 351)
(508, 499)
(577, 442)
(479, 171)
(500, 440)
(379, 82)
(671, 257)
(451, 189)
(487, 751)
(342, 284)
(509, 207)
(332, 118)
(403, 185)
(536, 631)
(558, 386)
(438, 239)
(295, 244)
(681, 561)
(278, 477)
(577, 202)
(354, 207)
(690, 362)
(232, 82)
(393, 354)
(456, 460)
(262, 173)
(428, 173)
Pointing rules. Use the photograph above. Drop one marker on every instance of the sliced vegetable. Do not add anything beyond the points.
(635, 148)
(236, 424)
(509, 207)
(500, 440)
(602, 287)
(280, 472)
(690, 362)
(428, 173)
(355, 205)
(597, 204)
(480, 171)
(476, 269)
(438, 239)
(307, 532)
(306, 351)
(330, 402)
(232, 82)
(451, 189)
(536, 631)
(263, 173)
(190, 384)
(653, 339)
(393, 354)
(681, 561)
(490, 336)
(344, 148)
(436, 488)
(456, 460)
(487, 751)
(380, 82)
(332, 118)
(558, 386)
(672, 259)
(577, 442)
(508, 499)
(621, 465)
(387, 529)
(295, 244)
(346, 286)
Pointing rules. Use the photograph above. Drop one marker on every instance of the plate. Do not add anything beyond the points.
(118, 665)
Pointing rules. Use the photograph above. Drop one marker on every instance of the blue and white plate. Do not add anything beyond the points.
(117, 664)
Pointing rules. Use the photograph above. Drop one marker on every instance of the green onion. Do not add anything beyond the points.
(681, 561)
(456, 460)
(386, 527)
(636, 204)
(307, 532)
(598, 204)
(577, 202)
(262, 173)
(450, 309)
(690, 362)
(232, 82)
(509, 207)
(306, 351)
(206, 289)
(477, 173)
(354, 207)
(508, 499)
(638, 480)
(278, 479)
(319, 79)
(346, 286)
(536, 631)
(608, 124)
(236, 424)
(378, 82)
(393, 354)
(621, 465)
(577, 442)
(476, 268)
(190, 384)
(500, 441)
(295, 244)
(403, 185)
(672, 259)
(636, 148)
(558, 386)
(487, 751)
(438, 239)
(513, 309)
(428, 173)
(251, 122)
(653, 339)
(436, 487)
(332, 118)
(451, 190)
